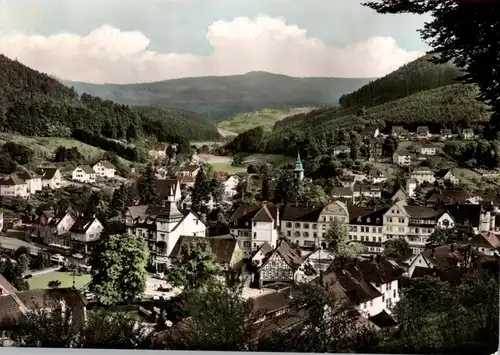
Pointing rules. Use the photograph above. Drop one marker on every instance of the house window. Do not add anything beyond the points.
(306, 234)
(196, 222)
(368, 220)
(401, 220)
(364, 305)
(254, 235)
(288, 233)
(246, 244)
(297, 225)
(389, 219)
(371, 303)
(315, 234)
(254, 224)
(374, 239)
(306, 225)
(254, 245)
(394, 294)
(383, 298)
(288, 225)
(315, 226)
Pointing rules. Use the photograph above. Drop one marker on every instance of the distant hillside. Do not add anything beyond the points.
(222, 97)
(419, 93)
(34, 104)
(265, 118)
(416, 76)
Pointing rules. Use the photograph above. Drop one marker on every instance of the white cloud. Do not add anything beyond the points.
(110, 55)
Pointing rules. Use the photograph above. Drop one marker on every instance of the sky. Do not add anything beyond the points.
(131, 41)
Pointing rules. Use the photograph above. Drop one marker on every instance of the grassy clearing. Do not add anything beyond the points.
(38, 282)
(227, 168)
(266, 118)
(44, 146)
(274, 159)
(389, 170)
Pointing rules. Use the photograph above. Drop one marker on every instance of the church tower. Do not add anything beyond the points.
(298, 172)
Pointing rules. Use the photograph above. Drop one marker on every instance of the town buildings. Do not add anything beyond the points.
(84, 174)
(104, 169)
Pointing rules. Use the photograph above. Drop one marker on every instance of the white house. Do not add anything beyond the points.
(84, 174)
(12, 186)
(428, 149)
(84, 234)
(341, 149)
(423, 132)
(401, 159)
(306, 225)
(254, 226)
(104, 169)
(1, 220)
(162, 226)
(32, 179)
(451, 177)
(372, 285)
(190, 170)
(366, 227)
(230, 185)
(51, 177)
(52, 228)
(423, 175)
(487, 243)
(468, 134)
(159, 151)
(414, 223)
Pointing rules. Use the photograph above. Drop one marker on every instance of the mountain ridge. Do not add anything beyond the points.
(222, 97)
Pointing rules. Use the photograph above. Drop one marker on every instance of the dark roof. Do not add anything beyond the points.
(12, 306)
(244, 214)
(13, 180)
(465, 214)
(357, 290)
(449, 197)
(446, 131)
(381, 271)
(87, 169)
(423, 212)
(447, 256)
(223, 248)
(82, 224)
(265, 248)
(301, 213)
(106, 164)
(263, 215)
(27, 175)
(47, 173)
(488, 240)
(6, 286)
(274, 301)
(289, 255)
(383, 320)
(450, 274)
(366, 215)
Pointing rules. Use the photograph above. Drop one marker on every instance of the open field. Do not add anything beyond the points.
(41, 281)
(265, 118)
(223, 163)
(274, 159)
(44, 146)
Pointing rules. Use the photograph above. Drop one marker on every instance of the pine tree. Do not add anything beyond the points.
(147, 186)
(201, 190)
(119, 200)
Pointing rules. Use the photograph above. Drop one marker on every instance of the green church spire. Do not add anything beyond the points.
(298, 164)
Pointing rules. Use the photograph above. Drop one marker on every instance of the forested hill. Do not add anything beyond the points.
(414, 77)
(32, 103)
(222, 97)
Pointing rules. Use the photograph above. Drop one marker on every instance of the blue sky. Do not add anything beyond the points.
(147, 40)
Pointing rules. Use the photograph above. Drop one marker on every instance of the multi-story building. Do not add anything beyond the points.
(423, 175)
(32, 179)
(84, 234)
(401, 159)
(162, 226)
(105, 169)
(307, 225)
(254, 226)
(428, 149)
(13, 186)
(414, 223)
(366, 227)
(84, 174)
(280, 265)
(52, 227)
(51, 177)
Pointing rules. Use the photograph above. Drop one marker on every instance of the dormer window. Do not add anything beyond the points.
(368, 220)
(359, 219)
(378, 220)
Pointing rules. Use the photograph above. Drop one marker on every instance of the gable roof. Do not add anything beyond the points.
(263, 215)
(288, 254)
(446, 256)
(6, 286)
(223, 248)
(265, 248)
(366, 215)
(422, 212)
(12, 180)
(244, 214)
(82, 224)
(449, 196)
(106, 164)
(466, 214)
(28, 175)
(487, 239)
(47, 173)
(191, 168)
(87, 169)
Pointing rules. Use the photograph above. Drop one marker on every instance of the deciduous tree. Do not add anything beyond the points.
(119, 269)
(337, 239)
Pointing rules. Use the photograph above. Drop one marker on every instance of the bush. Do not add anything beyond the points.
(54, 283)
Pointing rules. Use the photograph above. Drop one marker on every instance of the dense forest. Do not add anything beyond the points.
(419, 93)
(34, 104)
(222, 97)
(419, 75)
